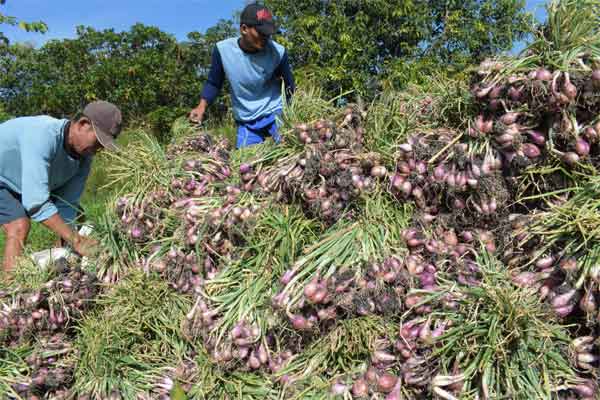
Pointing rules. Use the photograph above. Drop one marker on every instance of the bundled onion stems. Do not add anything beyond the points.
(13, 367)
(339, 354)
(575, 223)
(503, 339)
(133, 334)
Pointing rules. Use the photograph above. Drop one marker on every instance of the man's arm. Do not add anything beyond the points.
(212, 87)
(66, 198)
(284, 71)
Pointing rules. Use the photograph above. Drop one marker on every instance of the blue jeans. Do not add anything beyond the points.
(255, 132)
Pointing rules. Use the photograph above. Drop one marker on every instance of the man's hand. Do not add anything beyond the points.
(82, 245)
(197, 114)
(85, 246)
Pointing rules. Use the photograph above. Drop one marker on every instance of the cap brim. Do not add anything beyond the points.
(106, 140)
(266, 29)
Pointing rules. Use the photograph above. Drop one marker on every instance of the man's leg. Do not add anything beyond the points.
(16, 236)
(247, 137)
(274, 132)
(15, 224)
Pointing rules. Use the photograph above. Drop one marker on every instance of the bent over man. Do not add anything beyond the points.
(44, 164)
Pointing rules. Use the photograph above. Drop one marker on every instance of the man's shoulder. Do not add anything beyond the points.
(232, 41)
(34, 122)
(39, 129)
(279, 47)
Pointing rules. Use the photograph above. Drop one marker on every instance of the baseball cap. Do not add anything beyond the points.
(259, 17)
(106, 121)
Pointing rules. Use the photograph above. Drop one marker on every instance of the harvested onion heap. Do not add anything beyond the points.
(458, 181)
(244, 348)
(216, 232)
(343, 295)
(379, 377)
(202, 142)
(49, 309)
(569, 282)
(181, 270)
(521, 111)
(141, 220)
(51, 367)
(186, 374)
(329, 175)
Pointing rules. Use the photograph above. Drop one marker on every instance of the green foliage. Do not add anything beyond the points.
(353, 45)
(4, 116)
(27, 26)
(144, 70)
(572, 29)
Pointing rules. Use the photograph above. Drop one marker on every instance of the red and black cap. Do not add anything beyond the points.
(259, 17)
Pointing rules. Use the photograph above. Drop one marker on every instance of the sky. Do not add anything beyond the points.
(177, 17)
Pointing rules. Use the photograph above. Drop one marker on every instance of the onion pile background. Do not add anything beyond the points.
(442, 242)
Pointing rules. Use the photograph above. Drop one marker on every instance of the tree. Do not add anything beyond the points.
(350, 44)
(144, 70)
(28, 26)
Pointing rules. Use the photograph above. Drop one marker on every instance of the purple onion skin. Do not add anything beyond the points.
(582, 147)
(543, 74)
(537, 137)
(531, 150)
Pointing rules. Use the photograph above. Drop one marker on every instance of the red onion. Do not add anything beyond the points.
(596, 77)
(483, 92)
(439, 172)
(568, 88)
(582, 147)
(531, 150)
(590, 134)
(397, 181)
(570, 158)
(382, 356)
(586, 390)
(372, 375)
(287, 276)
(338, 389)
(588, 302)
(543, 74)
(509, 118)
(378, 171)
(525, 279)
(545, 262)
(537, 137)
(587, 358)
(482, 125)
(563, 299)
(407, 188)
(514, 93)
(300, 323)
(360, 388)
(386, 383)
(405, 147)
(568, 264)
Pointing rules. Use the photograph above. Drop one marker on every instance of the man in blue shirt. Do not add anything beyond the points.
(255, 67)
(44, 164)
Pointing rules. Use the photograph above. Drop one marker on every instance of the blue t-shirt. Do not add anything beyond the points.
(255, 78)
(35, 164)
